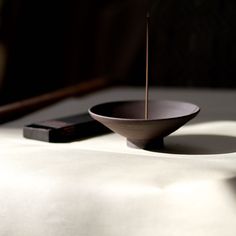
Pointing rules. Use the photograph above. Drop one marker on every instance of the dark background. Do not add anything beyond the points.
(50, 44)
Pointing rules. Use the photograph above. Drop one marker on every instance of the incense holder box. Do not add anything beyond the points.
(65, 129)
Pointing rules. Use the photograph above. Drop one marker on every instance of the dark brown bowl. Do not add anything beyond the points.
(127, 119)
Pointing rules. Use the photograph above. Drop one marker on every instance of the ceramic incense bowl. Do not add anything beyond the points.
(127, 119)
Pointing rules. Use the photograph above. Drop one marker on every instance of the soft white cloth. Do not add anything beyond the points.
(99, 186)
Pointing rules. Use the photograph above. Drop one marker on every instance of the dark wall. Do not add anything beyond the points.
(32, 32)
(51, 44)
(194, 43)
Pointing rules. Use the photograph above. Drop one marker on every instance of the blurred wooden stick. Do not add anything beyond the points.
(14, 110)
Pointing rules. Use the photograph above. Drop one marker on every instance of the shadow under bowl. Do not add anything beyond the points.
(127, 118)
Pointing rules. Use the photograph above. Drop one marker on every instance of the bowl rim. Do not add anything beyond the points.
(195, 111)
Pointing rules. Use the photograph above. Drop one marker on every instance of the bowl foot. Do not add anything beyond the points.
(154, 144)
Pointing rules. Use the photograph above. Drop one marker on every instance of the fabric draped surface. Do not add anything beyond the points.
(99, 186)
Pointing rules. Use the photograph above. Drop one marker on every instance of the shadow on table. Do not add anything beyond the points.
(231, 183)
(200, 144)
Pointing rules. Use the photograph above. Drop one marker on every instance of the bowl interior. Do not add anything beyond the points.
(135, 110)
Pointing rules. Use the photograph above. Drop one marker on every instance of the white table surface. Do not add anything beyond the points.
(101, 187)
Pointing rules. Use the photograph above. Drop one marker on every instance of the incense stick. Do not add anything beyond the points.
(147, 62)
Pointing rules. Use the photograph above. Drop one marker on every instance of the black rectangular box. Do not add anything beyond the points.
(65, 129)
